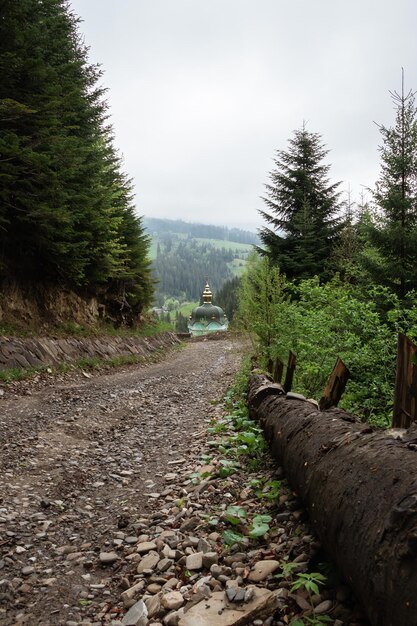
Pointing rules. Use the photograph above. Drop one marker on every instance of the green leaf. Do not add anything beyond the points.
(235, 514)
(258, 530)
(260, 526)
(311, 586)
(262, 519)
(230, 537)
(310, 582)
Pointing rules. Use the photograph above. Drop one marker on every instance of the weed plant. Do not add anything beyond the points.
(241, 444)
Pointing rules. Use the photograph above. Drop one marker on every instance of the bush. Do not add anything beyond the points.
(322, 322)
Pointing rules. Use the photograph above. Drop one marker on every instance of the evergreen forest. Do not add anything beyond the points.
(67, 212)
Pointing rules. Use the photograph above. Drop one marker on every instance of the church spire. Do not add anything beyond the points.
(207, 295)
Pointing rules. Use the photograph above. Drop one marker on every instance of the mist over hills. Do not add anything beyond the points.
(200, 231)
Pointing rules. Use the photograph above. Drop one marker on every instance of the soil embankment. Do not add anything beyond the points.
(39, 352)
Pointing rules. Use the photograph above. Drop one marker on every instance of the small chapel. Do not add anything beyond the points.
(207, 318)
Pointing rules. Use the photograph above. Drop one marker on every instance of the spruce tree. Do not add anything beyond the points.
(393, 231)
(181, 323)
(47, 145)
(303, 206)
(227, 296)
(66, 208)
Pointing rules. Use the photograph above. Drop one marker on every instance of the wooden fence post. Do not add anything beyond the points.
(405, 398)
(278, 368)
(335, 386)
(292, 361)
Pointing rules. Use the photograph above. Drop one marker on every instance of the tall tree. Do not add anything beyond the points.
(345, 254)
(66, 208)
(227, 296)
(393, 231)
(303, 206)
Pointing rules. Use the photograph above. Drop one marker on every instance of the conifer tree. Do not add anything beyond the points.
(66, 208)
(181, 323)
(303, 208)
(227, 296)
(393, 230)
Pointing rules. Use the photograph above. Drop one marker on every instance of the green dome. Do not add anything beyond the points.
(209, 312)
(207, 317)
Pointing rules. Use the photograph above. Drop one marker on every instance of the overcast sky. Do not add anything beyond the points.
(203, 92)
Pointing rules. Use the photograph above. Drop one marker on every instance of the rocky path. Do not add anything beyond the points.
(80, 461)
(105, 511)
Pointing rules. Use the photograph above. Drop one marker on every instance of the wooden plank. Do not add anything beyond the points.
(405, 396)
(292, 362)
(335, 386)
(278, 369)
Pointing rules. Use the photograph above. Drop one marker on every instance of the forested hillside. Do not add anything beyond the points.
(184, 254)
(67, 214)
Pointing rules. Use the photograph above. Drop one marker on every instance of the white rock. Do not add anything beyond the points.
(323, 607)
(153, 604)
(132, 593)
(137, 615)
(108, 557)
(172, 600)
(213, 611)
(194, 561)
(145, 546)
(148, 562)
(262, 569)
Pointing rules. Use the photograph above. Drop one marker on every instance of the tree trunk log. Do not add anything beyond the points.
(360, 489)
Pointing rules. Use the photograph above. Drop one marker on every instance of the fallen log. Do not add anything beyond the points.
(360, 489)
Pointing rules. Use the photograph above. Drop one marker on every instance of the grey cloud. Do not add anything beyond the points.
(203, 93)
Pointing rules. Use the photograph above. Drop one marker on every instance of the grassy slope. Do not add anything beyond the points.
(239, 248)
(237, 266)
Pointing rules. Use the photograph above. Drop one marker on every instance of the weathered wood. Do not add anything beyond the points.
(360, 489)
(268, 389)
(292, 362)
(405, 398)
(335, 386)
(278, 369)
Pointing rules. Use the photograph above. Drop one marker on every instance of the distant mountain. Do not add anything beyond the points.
(161, 226)
(183, 254)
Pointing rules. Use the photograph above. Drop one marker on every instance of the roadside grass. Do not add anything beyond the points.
(8, 330)
(72, 329)
(17, 373)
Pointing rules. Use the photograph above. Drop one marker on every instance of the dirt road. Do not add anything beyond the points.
(81, 460)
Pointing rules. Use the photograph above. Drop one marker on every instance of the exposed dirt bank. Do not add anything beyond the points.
(38, 352)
